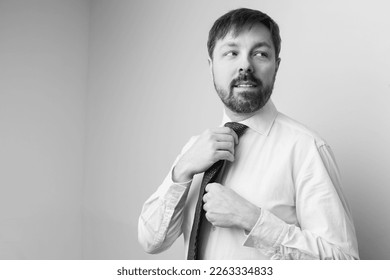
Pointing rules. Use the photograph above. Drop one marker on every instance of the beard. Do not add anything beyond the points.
(245, 101)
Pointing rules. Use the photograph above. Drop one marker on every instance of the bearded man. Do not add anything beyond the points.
(260, 186)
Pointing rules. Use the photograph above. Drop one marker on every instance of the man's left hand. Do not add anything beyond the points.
(225, 208)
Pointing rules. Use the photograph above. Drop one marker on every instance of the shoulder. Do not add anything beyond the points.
(295, 131)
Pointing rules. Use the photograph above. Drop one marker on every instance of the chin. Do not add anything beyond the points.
(243, 107)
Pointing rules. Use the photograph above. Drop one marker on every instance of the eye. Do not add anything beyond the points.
(231, 53)
(260, 54)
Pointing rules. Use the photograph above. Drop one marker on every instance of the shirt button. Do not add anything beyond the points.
(213, 228)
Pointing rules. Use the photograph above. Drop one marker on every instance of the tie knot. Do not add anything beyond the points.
(238, 128)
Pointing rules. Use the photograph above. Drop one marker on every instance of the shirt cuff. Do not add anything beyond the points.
(185, 184)
(267, 234)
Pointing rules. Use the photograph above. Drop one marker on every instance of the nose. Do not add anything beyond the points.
(246, 66)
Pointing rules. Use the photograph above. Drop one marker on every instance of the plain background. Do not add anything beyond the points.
(98, 97)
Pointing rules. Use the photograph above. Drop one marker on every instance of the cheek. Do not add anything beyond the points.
(223, 74)
(268, 74)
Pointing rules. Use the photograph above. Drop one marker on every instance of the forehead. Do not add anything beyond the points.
(255, 34)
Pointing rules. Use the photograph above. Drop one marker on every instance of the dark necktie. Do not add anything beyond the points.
(209, 176)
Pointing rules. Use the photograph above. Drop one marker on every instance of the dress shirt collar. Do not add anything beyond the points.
(260, 122)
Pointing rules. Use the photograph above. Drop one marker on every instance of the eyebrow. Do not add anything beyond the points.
(257, 45)
(262, 44)
(229, 44)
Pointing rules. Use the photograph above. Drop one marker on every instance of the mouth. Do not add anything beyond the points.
(245, 84)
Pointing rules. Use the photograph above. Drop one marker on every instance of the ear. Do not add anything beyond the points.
(210, 61)
(278, 60)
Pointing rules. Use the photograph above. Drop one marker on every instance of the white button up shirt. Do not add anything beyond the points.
(285, 169)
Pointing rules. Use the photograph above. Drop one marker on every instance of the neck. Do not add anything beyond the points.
(238, 117)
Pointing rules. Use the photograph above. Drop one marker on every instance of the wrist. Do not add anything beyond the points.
(252, 219)
(180, 173)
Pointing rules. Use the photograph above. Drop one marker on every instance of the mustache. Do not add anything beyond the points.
(247, 77)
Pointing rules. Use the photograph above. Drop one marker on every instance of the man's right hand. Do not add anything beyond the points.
(211, 146)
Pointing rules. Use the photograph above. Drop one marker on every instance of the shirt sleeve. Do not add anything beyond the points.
(325, 229)
(161, 218)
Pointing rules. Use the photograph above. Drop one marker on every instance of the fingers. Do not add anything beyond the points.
(211, 186)
(224, 155)
(223, 134)
(224, 146)
(224, 142)
(206, 196)
(209, 201)
(225, 137)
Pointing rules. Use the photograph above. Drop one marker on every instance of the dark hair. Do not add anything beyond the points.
(238, 19)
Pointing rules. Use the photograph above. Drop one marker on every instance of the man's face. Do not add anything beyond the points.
(244, 69)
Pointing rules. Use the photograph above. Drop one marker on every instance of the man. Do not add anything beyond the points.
(278, 193)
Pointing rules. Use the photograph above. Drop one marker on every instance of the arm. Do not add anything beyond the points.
(159, 224)
(161, 219)
(325, 229)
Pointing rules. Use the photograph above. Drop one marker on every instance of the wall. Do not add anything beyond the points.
(98, 97)
(335, 78)
(150, 83)
(122, 92)
(43, 67)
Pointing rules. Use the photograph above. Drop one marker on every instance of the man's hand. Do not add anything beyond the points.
(225, 208)
(211, 146)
